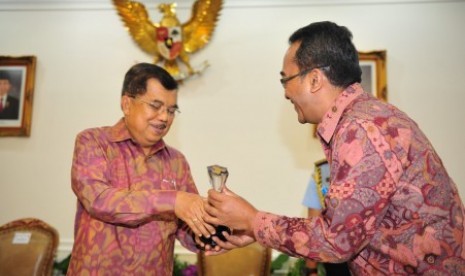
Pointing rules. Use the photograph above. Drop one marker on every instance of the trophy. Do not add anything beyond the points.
(218, 176)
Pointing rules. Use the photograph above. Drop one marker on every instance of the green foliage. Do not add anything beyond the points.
(62, 266)
(178, 266)
(297, 268)
(278, 263)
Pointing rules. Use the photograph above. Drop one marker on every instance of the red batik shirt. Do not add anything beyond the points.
(392, 209)
(125, 221)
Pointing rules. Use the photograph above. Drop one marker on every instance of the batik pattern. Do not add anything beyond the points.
(125, 221)
(392, 209)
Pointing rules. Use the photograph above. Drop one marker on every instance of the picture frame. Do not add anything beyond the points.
(17, 77)
(373, 65)
(322, 176)
(374, 80)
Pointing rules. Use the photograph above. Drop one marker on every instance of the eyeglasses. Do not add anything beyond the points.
(157, 107)
(300, 74)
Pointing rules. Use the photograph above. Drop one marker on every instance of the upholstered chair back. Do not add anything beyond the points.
(252, 260)
(27, 248)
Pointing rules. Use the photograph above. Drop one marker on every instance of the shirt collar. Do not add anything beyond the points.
(119, 133)
(331, 118)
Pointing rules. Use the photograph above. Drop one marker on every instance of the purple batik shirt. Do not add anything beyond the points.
(125, 221)
(391, 209)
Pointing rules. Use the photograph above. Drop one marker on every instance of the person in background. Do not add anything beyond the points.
(317, 188)
(135, 193)
(9, 105)
(391, 208)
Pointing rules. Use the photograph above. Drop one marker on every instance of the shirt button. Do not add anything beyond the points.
(334, 109)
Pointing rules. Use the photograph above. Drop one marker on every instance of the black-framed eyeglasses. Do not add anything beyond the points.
(157, 106)
(284, 80)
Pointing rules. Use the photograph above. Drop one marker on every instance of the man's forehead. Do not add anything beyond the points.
(292, 50)
(289, 60)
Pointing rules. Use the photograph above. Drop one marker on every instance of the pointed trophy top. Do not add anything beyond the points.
(218, 176)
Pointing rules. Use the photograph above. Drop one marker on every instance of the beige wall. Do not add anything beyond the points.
(234, 114)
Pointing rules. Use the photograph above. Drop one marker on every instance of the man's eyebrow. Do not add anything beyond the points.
(163, 103)
(282, 74)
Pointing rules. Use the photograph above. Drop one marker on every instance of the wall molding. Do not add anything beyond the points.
(64, 248)
(57, 5)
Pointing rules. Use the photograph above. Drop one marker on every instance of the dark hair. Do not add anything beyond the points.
(135, 81)
(5, 76)
(328, 46)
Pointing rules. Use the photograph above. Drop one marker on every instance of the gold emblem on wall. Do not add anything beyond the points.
(169, 41)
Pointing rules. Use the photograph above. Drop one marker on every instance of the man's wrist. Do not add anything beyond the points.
(251, 230)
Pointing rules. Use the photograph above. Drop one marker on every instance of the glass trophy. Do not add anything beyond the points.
(218, 176)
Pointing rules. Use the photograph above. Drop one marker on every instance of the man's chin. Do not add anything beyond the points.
(302, 120)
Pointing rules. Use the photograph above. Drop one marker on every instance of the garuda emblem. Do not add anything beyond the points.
(170, 41)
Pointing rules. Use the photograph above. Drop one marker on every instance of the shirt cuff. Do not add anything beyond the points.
(163, 201)
(265, 229)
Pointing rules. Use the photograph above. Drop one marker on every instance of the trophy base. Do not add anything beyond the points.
(219, 233)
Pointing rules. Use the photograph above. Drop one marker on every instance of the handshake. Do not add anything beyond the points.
(212, 220)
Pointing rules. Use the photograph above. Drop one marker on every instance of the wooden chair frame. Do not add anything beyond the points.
(229, 263)
(27, 256)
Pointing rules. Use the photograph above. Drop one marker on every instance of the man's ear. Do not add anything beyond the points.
(317, 78)
(125, 104)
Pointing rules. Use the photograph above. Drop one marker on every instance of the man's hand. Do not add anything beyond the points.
(189, 207)
(205, 247)
(229, 209)
(233, 241)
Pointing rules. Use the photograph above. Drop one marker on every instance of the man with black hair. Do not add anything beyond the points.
(391, 208)
(9, 105)
(135, 193)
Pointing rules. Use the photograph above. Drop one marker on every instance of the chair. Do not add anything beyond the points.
(27, 248)
(252, 260)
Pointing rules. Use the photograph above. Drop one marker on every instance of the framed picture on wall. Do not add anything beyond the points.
(17, 76)
(322, 177)
(373, 65)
